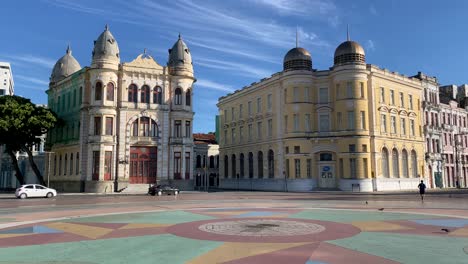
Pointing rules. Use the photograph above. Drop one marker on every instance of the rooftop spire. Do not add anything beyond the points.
(180, 36)
(347, 32)
(107, 27)
(297, 40)
(69, 51)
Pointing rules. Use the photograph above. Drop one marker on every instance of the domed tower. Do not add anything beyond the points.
(297, 59)
(180, 60)
(106, 51)
(349, 52)
(64, 67)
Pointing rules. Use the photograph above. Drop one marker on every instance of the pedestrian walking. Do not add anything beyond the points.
(422, 190)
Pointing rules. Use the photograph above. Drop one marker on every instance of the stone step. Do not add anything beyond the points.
(136, 188)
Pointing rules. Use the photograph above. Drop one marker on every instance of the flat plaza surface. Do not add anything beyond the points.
(236, 227)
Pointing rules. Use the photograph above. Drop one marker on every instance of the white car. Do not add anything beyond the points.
(34, 190)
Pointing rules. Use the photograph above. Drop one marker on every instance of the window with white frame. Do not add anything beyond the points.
(403, 126)
(392, 97)
(259, 105)
(382, 94)
(323, 95)
(411, 127)
(324, 120)
(393, 124)
(363, 120)
(383, 123)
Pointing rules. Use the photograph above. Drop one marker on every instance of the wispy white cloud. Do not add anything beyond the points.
(234, 67)
(299, 7)
(370, 45)
(37, 60)
(214, 85)
(31, 80)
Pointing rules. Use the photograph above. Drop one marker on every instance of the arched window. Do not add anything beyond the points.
(198, 161)
(385, 167)
(250, 165)
(98, 92)
(144, 127)
(157, 95)
(233, 166)
(414, 164)
(132, 93)
(178, 96)
(241, 165)
(395, 164)
(404, 163)
(145, 94)
(226, 164)
(271, 164)
(188, 96)
(110, 92)
(260, 165)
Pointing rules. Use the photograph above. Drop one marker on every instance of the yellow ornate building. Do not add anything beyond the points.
(353, 127)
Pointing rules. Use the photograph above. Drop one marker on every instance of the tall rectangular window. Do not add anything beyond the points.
(309, 168)
(177, 166)
(269, 103)
(337, 92)
(349, 90)
(323, 95)
(77, 164)
(177, 128)
(393, 124)
(109, 126)
(259, 105)
(341, 168)
(225, 137)
(97, 125)
(351, 120)
(296, 94)
(339, 120)
(297, 168)
(95, 172)
(250, 132)
(296, 122)
(392, 97)
(362, 89)
(188, 129)
(307, 94)
(285, 124)
(383, 123)
(403, 126)
(249, 108)
(232, 114)
(352, 168)
(240, 110)
(233, 136)
(241, 134)
(225, 116)
(307, 123)
(270, 127)
(410, 101)
(382, 95)
(324, 121)
(187, 165)
(259, 130)
(364, 165)
(402, 100)
(363, 120)
(411, 127)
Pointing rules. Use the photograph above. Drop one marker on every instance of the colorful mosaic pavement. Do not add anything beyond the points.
(202, 236)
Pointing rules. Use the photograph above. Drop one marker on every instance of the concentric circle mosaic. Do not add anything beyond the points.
(261, 228)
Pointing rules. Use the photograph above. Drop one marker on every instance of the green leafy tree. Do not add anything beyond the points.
(21, 125)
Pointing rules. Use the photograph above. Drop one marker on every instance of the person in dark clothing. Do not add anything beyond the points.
(422, 190)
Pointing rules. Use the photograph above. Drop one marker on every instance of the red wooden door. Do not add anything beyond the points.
(143, 165)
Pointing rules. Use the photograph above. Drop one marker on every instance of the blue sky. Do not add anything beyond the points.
(234, 43)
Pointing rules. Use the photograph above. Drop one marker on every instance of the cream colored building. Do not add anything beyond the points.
(353, 127)
(127, 124)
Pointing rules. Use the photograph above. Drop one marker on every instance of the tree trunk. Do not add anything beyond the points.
(19, 176)
(34, 166)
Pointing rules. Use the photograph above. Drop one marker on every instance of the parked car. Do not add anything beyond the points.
(162, 189)
(34, 190)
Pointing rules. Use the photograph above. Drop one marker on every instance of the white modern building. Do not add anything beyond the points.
(6, 79)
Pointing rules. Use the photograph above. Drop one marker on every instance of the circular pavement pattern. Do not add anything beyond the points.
(262, 227)
(264, 230)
